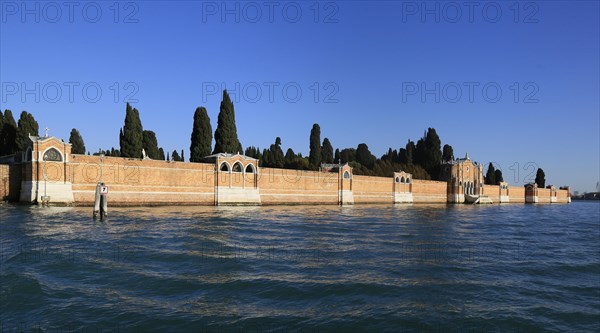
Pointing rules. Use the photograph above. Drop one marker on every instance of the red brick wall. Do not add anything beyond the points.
(543, 195)
(369, 189)
(516, 194)
(562, 196)
(282, 186)
(429, 191)
(4, 181)
(147, 182)
(493, 192)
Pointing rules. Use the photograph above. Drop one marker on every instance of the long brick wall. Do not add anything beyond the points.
(152, 182)
(429, 191)
(282, 186)
(493, 192)
(562, 196)
(369, 189)
(516, 194)
(148, 182)
(543, 195)
(10, 182)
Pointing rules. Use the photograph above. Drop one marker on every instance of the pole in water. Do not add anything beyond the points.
(101, 201)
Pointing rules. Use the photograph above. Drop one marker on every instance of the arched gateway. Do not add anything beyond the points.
(237, 179)
(45, 172)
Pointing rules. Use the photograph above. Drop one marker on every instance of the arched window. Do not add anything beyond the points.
(402, 180)
(237, 167)
(346, 175)
(408, 180)
(224, 167)
(53, 155)
(28, 155)
(397, 180)
(250, 168)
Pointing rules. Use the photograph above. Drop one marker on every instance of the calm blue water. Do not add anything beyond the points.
(497, 268)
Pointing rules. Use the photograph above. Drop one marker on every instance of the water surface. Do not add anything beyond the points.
(403, 268)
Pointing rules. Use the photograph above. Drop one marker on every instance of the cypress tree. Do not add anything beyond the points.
(410, 152)
(161, 154)
(226, 139)
(8, 134)
(175, 156)
(447, 153)
(387, 156)
(131, 137)
(1, 121)
(428, 152)
(26, 126)
(314, 157)
(406, 154)
(326, 152)
(490, 176)
(201, 136)
(336, 157)
(540, 178)
(276, 154)
(150, 144)
(76, 141)
(498, 176)
(253, 152)
(348, 155)
(289, 160)
(182, 157)
(267, 160)
(364, 156)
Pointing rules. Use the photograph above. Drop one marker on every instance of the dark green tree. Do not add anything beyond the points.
(253, 152)
(490, 176)
(175, 156)
(131, 135)
(161, 154)
(26, 126)
(76, 141)
(276, 154)
(8, 134)
(447, 153)
(314, 157)
(387, 156)
(182, 157)
(150, 144)
(498, 176)
(391, 156)
(428, 152)
(289, 159)
(295, 161)
(406, 154)
(336, 156)
(540, 178)
(364, 156)
(326, 152)
(348, 155)
(267, 159)
(226, 138)
(201, 136)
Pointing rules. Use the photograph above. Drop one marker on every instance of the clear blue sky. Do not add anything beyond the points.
(371, 62)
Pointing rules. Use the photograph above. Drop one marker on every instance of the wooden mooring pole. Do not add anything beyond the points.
(101, 201)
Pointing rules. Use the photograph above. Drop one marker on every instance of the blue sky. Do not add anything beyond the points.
(515, 83)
